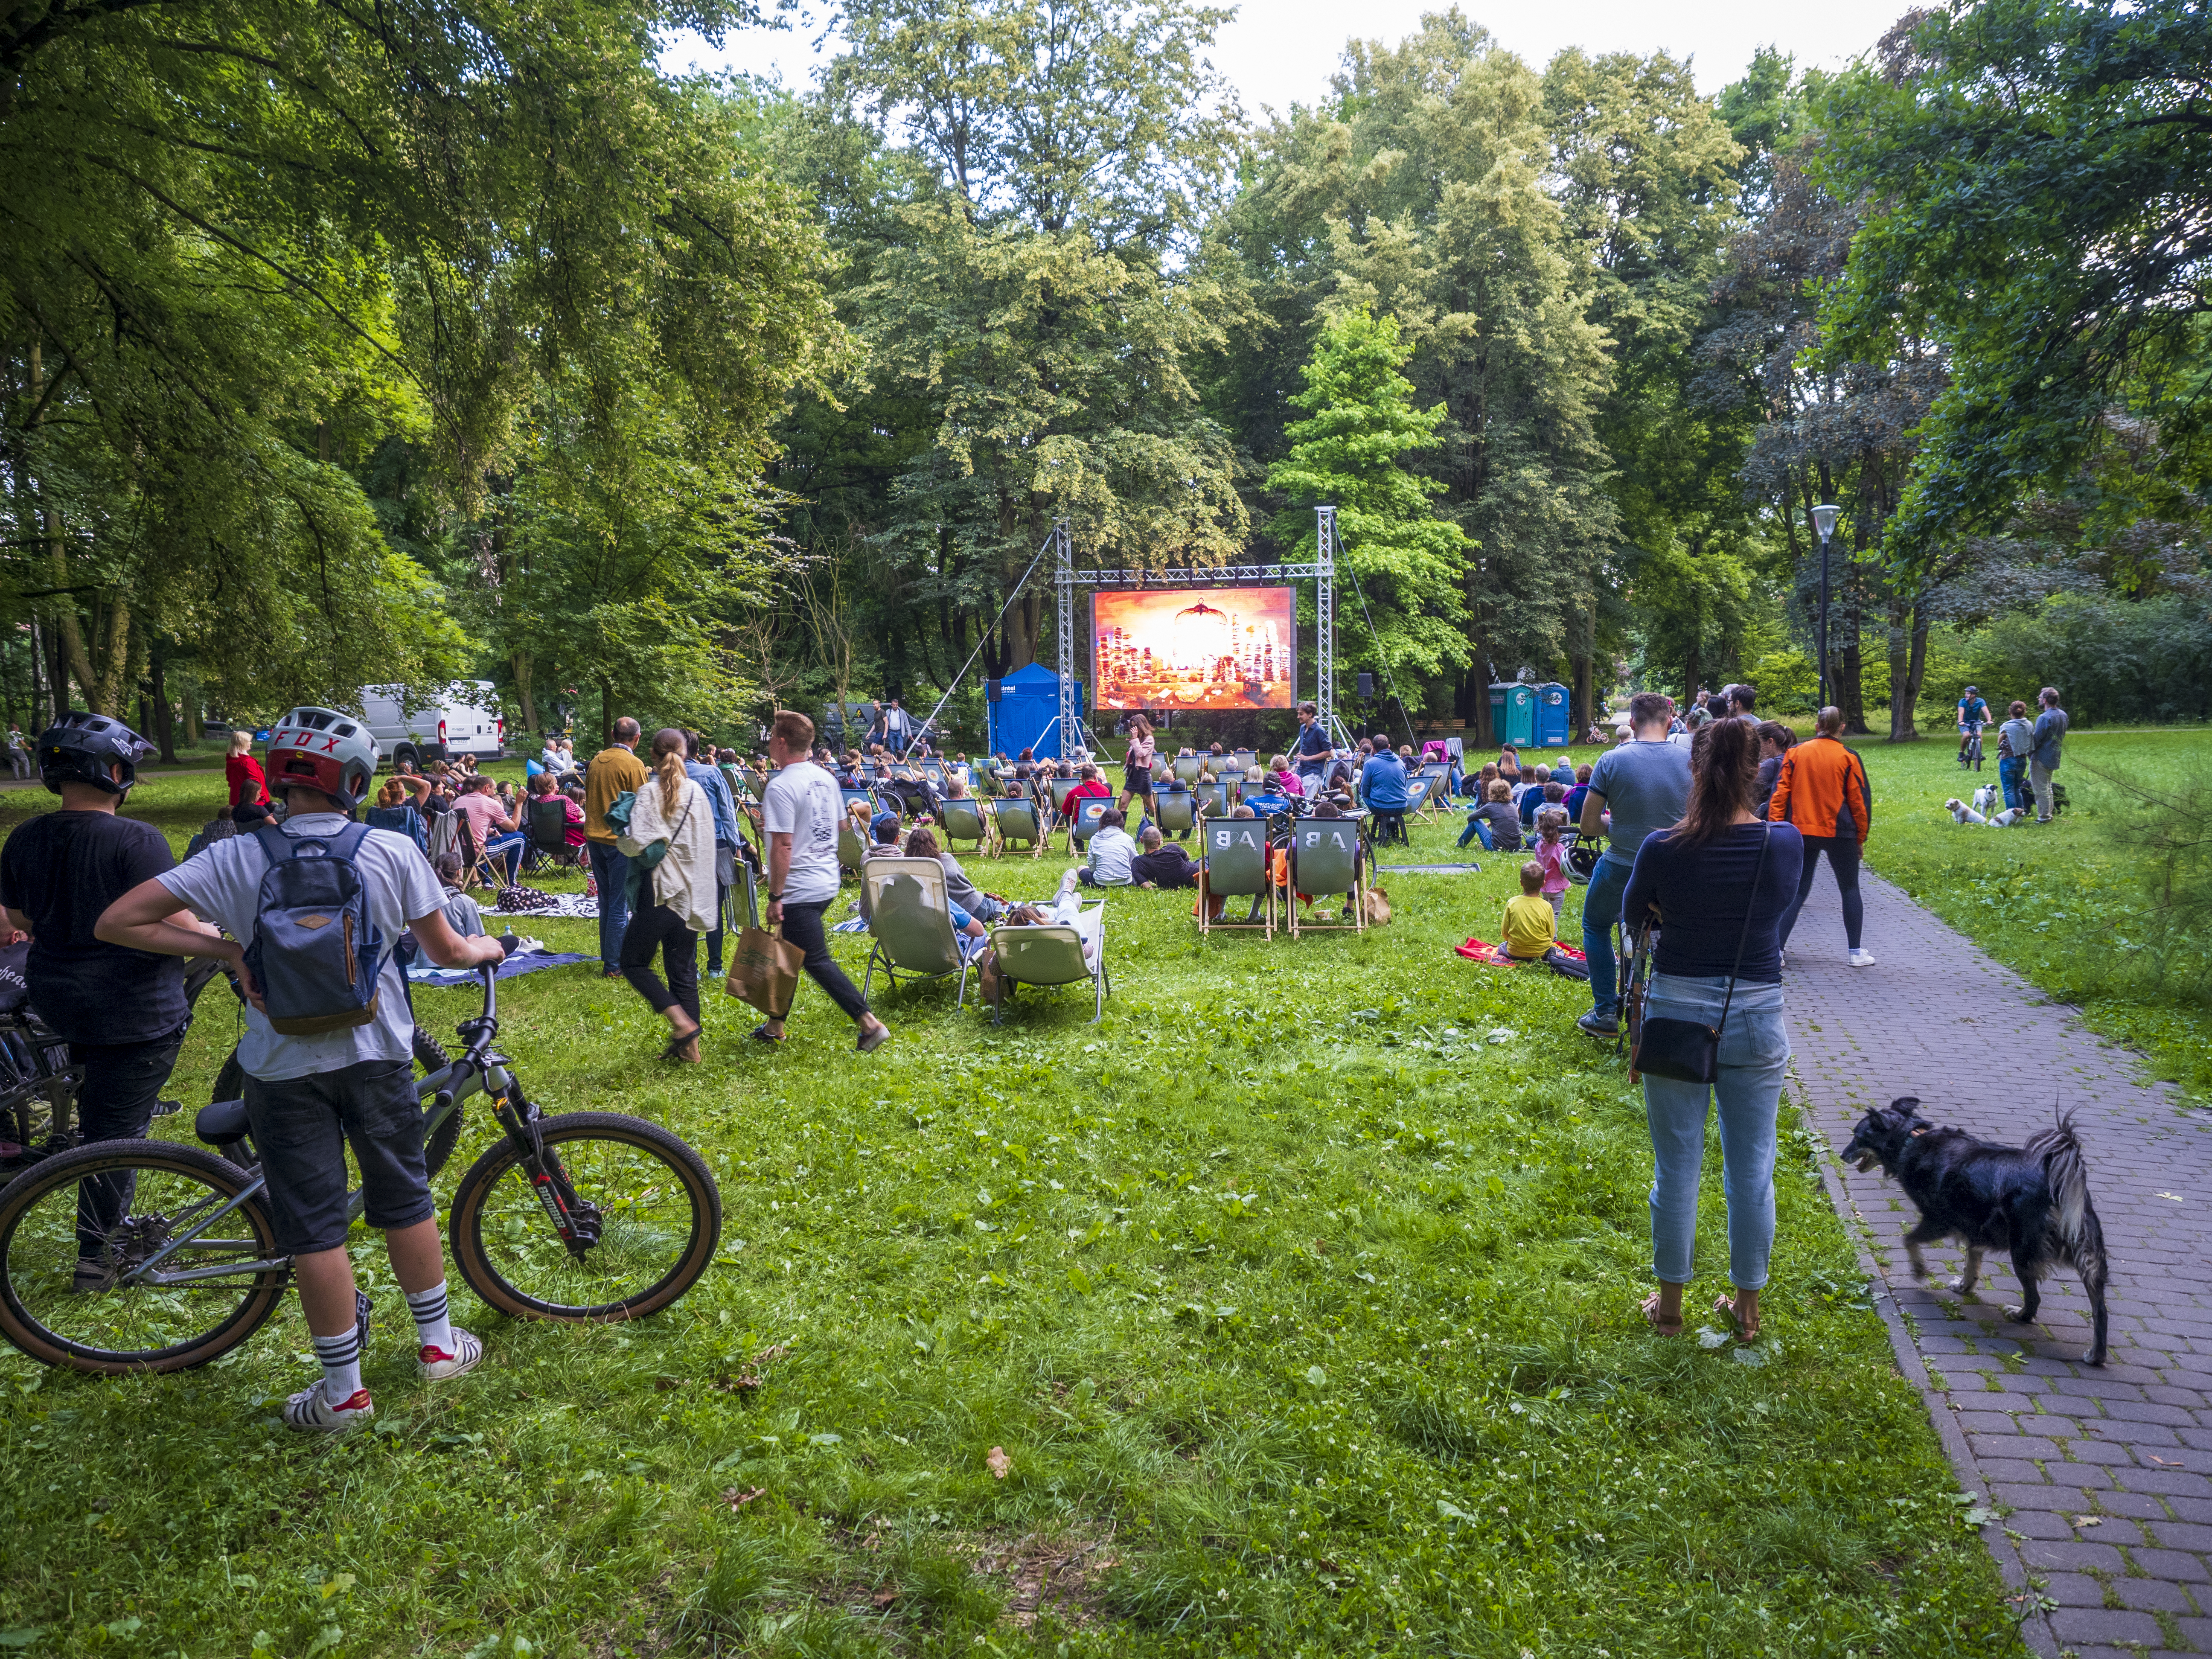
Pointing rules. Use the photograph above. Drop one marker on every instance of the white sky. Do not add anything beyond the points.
(1277, 52)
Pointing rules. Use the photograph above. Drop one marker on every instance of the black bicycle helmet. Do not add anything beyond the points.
(1582, 859)
(82, 748)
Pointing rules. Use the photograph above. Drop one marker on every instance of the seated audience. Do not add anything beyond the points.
(1163, 863)
(497, 835)
(1495, 821)
(961, 890)
(1531, 928)
(1092, 787)
(922, 844)
(543, 787)
(1112, 852)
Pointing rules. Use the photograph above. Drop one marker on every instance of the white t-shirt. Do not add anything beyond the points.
(222, 885)
(802, 801)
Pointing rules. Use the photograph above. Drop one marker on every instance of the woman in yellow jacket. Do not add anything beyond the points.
(1821, 788)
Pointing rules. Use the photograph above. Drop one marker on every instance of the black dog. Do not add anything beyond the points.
(2031, 1200)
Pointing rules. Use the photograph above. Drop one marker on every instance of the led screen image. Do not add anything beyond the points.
(1204, 648)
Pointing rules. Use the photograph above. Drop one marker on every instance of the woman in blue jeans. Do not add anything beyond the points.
(1717, 884)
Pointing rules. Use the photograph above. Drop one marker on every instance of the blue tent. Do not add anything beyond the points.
(1023, 716)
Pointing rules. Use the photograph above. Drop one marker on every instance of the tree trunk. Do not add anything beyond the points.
(1586, 676)
(1916, 672)
(518, 664)
(165, 727)
(606, 712)
(1850, 695)
(190, 699)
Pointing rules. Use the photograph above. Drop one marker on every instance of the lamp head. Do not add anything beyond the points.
(1824, 518)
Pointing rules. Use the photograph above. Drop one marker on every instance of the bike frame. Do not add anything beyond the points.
(479, 1070)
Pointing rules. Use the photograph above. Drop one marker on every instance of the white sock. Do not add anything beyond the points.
(341, 1360)
(433, 1329)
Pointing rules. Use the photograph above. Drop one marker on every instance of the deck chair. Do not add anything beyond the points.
(1420, 800)
(1186, 769)
(546, 830)
(1324, 862)
(1084, 822)
(1051, 953)
(1019, 818)
(477, 867)
(445, 834)
(935, 772)
(850, 847)
(911, 922)
(1058, 791)
(1243, 761)
(967, 819)
(1236, 867)
(1175, 811)
(1214, 800)
(866, 797)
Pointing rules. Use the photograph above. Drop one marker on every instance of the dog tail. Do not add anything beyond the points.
(2061, 1153)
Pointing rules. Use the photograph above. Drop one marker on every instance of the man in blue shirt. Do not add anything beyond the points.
(717, 790)
(1646, 784)
(1383, 789)
(2049, 737)
(1973, 716)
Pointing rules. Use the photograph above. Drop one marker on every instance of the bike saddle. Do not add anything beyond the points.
(223, 1123)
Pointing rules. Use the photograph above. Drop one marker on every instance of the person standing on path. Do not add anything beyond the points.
(243, 771)
(2047, 739)
(1718, 883)
(19, 753)
(1646, 783)
(675, 900)
(614, 771)
(800, 812)
(1821, 787)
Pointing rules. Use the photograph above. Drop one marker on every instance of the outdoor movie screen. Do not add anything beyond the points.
(1194, 648)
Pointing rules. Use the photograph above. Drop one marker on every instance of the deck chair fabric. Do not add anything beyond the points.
(1085, 823)
(1236, 867)
(1176, 811)
(1186, 769)
(1019, 819)
(1054, 953)
(445, 834)
(911, 922)
(1214, 800)
(967, 819)
(1325, 861)
(851, 849)
(1420, 798)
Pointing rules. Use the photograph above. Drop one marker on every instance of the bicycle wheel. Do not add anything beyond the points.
(657, 1209)
(162, 1189)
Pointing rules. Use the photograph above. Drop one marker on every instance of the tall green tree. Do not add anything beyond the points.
(1408, 565)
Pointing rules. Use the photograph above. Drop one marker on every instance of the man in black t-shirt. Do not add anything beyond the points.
(1312, 748)
(122, 1012)
(1162, 864)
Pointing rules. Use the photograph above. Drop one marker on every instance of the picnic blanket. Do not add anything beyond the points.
(1564, 960)
(577, 906)
(523, 962)
(1428, 869)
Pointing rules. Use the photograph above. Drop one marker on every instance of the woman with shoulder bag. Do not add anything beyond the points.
(670, 841)
(1717, 885)
(1821, 787)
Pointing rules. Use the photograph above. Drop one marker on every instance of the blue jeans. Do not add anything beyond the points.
(506, 849)
(610, 869)
(1754, 1052)
(1601, 910)
(1476, 827)
(2012, 779)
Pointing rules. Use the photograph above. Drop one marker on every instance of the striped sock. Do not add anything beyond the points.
(433, 1328)
(341, 1361)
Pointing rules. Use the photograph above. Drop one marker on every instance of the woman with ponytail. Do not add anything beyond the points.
(677, 896)
(1717, 885)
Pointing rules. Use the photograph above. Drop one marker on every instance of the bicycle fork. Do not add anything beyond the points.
(576, 1221)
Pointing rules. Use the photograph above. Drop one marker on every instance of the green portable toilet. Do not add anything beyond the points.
(1513, 714)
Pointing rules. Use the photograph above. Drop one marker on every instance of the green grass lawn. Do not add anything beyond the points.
(1299, 1295)
(2063, 904)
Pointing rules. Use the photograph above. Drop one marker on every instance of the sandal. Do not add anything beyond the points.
(681, 1040)
(762, 1033)
(1659, 1327)
(1725, 1307)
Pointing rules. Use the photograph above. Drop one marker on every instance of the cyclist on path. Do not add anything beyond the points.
(310, 1097)
(1973, 716)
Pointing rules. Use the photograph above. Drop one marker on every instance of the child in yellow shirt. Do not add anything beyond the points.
(1531, 929)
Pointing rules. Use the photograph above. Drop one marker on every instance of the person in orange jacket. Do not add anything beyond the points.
(1822, 790)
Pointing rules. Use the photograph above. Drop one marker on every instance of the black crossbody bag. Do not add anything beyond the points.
(1688, 1050)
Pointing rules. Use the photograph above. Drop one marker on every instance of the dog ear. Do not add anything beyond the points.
(1906, 1105)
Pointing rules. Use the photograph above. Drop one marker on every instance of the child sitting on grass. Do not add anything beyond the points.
(1531, 929)
(1551, 854)
(1495, 821)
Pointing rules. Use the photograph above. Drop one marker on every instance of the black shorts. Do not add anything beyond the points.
(303, 1126)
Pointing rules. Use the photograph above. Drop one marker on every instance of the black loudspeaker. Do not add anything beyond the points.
(991, 692)
(1366, 687)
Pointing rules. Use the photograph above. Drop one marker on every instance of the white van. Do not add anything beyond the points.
(465, 720)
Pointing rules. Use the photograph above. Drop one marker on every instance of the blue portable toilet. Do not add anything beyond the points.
(1554, 730)
(1513, 714)
(1024, 715)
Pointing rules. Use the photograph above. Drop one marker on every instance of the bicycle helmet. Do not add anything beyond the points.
(82, 748)
(322, 749)
(1582, 859)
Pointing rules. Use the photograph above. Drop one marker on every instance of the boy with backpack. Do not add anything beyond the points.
(312, 908)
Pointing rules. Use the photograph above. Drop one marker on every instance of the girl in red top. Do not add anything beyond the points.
(246, 783)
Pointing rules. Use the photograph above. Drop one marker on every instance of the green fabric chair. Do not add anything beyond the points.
(1215, 800)
(1019, 819)
(1236, 867)
(1050, 954)
(911, 922)
(966, 819)
(850, 847)
(1175, 811)
(1186, 769)
(1324, 862)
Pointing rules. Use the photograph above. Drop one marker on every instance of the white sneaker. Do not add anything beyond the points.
(435, 1365)
(1861, 958)
(310, 1412)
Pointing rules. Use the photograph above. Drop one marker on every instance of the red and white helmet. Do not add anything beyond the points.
(322, 749)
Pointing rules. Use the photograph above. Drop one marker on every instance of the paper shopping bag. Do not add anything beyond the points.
(764, 971)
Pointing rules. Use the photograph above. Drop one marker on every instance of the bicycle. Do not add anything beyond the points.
(1970, 751)
(582, 1217)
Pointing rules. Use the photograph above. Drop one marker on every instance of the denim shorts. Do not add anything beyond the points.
(303, 1126)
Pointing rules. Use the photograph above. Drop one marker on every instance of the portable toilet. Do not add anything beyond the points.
(1554, 730)
(1513, 714)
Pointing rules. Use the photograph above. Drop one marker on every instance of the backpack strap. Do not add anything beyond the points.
(278, 846)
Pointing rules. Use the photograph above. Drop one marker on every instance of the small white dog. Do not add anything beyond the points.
(1962, 813)
(1986, 798)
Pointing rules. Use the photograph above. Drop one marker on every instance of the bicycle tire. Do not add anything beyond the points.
(19, 1321)
(430, 1054)
(472, 1196)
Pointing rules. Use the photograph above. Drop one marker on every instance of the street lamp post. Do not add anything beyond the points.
(1824, 523)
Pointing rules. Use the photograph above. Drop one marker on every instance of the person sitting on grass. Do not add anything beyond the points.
(1113, 852)
(922, 844)
(1495, 821)
(1163, 863)
(1531, 926)
(1551, 852)
(463, 914)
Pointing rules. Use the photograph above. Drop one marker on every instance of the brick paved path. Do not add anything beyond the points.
(2107, 1471)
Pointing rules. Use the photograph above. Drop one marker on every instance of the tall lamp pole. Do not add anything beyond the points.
(1824, 523)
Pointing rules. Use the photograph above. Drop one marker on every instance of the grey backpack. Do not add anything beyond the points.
(315, 954)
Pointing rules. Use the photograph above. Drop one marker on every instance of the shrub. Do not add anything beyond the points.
(2110, 659)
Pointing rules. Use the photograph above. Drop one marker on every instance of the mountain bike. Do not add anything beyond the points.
(583, 1216)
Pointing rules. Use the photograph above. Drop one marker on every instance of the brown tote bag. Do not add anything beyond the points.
(764, 971)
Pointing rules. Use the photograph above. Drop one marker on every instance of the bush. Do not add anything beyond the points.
(2110, 659)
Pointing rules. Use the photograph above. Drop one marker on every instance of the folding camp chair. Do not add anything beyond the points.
(1084, 823)
(966, 819)
(1019, 818)
(476, 868)
(911, 920)
(546, 827)
(1236, 867)
(1051, 953)
(1325, 861)
(445, 834)
(1175, 811)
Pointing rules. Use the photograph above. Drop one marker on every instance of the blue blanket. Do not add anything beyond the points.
(529, 962)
